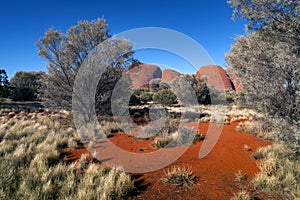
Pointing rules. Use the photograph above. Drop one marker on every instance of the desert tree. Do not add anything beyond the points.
(200, 87)
(67, 52)
(267, 59)
(4, 83)
(3, 78)
(25, 85)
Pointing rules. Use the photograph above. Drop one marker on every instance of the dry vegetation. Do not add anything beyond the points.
(278, 163)
(32, 166)
(227, 114)
(242, 195)
(279, 171)
(179, 176)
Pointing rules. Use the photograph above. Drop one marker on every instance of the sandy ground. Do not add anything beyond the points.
(215, 173)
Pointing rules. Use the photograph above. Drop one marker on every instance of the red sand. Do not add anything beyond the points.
(215, 173)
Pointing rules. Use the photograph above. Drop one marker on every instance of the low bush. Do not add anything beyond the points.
(165, 97)
(161, 142)
(248, 127)
(32, 166)
(179, 176)
(279, 171)
(141, 96)
(242, 195)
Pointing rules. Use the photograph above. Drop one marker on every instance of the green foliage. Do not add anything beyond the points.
(3, 78)
(222, 97)
(165, 97)
(200, 88)
(67, 52)
(154, 84)
(266, 61)
(4, 84)
(25, 85)
(141, 96)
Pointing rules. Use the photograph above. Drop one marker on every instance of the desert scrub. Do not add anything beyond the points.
(279, 171)
(240, 176)
(179, 176)
(248, 127)
(31, 165)
(109, 127)
(182, 137)
(160, 142)
(152, 130)
(242, 195)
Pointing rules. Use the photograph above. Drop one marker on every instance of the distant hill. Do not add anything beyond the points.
(216, 76)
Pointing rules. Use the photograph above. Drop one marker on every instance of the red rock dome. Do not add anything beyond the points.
(216, 77)
(237, 86)
(142, 74)
(169, 74)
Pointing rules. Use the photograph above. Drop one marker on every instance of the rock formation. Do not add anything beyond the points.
(142, 74)
(169, 74)
(216, 77)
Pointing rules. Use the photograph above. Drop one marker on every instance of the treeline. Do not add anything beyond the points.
(24, 86)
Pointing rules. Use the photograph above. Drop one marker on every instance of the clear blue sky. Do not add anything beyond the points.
(24, 22)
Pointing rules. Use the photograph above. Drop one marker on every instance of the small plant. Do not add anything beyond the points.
(242, 195)
(279, 171)
(248, 127)
(247, 147)
(199, 137)
(109, 127)
(95, 155)
(183, 136)
(179, 176)
(165, 97)
(240, 176)
(160, 142)
(150, 131)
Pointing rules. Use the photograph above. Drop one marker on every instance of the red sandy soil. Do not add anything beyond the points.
(215, 173)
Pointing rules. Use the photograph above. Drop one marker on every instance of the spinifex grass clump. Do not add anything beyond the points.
(32, 165)
(179, 176)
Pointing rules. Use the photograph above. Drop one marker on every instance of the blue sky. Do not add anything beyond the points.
(24, 22)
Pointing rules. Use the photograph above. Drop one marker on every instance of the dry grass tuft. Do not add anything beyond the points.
(246, 147)
(32, 167)
(179, 176)
(240, 176)
(279, 171)
(242, 195)
(248, 127)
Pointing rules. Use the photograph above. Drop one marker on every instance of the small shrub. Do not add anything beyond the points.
(109, 127)
(246, 147)
(149, 131)
(179, 176)
(184, 136)
(32, 167)
(248, 127)
(141, 96)
(279, 171)
(242, 195)
(240, 176)
(165, 97)
(161, 142)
